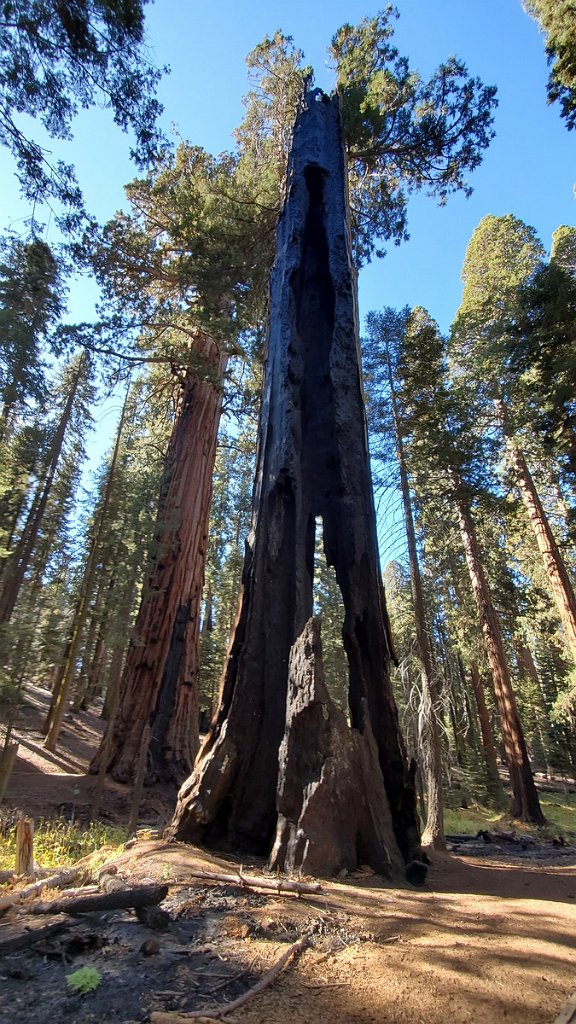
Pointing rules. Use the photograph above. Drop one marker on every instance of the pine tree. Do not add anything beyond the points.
(540, 351)
(76, 388)
(403, 134)
(61, 692)
(31, 303)
(503, 255)
(56, 58)
(556, 19)
(385, 329)
(441, 435)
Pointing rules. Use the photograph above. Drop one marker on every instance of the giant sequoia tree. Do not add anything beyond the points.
(502, 259)
(198, 247)
(313, 462)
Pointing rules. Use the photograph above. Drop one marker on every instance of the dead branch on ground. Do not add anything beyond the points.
(278, 885)
(175, 1017)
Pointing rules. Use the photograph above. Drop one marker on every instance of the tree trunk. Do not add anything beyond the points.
(430, 750)
(558, 578)
(494, 788)
(160, 679)
(451, 694)
(312, 461)
(60, 695)
(332, 806)
(19, 559)
(525, 803)
(93, 632)
(25, 848)
(119, 650)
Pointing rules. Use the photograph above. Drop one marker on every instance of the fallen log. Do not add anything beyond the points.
(14, 937)
(176, 1017)
(278, 885)
(57, 881)
(119, 899)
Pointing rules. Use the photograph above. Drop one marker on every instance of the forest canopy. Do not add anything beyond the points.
(56, 58)
(119, 581)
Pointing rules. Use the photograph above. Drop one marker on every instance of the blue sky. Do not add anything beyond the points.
(528, 170)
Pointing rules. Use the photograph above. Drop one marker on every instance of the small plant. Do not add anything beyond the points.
(84, 980)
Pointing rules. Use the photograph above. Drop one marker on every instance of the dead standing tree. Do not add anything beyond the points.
(312, 462)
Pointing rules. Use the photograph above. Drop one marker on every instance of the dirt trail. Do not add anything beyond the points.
(484, 940)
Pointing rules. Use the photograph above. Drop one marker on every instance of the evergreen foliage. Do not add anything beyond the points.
(403, 134)
(558, 23)
(56, 58)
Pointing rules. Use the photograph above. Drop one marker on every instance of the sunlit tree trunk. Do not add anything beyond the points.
(556, 573)
(525, 803)
(494, 788)
(160, 679)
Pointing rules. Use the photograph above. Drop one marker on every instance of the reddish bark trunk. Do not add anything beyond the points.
(160, 679)
(525, 803)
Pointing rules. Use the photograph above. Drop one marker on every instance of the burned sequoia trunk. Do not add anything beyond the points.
(312, 462)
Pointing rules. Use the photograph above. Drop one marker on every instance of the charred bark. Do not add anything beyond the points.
(332, 806)
(312, 462)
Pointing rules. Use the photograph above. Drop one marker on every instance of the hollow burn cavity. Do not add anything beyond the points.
(328, 605)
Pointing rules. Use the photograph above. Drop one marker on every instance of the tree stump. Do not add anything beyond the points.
(25, 847)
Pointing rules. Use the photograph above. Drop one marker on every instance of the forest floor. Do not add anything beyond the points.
(490, 937)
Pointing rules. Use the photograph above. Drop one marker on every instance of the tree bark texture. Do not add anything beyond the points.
(25, 847)
(160, 679)
(312, 462)
(525, 803)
